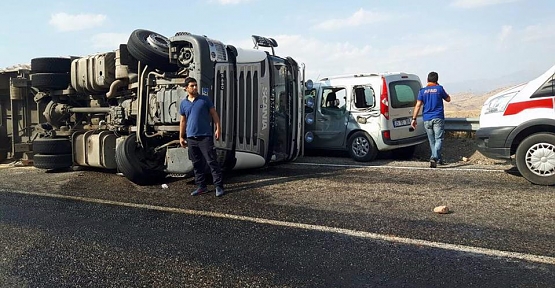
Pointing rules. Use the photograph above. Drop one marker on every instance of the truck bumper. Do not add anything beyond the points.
(492, 142)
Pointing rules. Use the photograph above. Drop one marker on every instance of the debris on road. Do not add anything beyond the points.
(441, 209)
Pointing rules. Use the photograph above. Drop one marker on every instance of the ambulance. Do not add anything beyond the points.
(519, 124)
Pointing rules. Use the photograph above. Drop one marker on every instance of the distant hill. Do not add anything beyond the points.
(468, 105)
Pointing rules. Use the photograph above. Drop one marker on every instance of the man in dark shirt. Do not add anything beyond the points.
(432, 97)
(196, 133)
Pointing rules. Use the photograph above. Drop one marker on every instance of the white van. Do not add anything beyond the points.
(520, 122)
(363, 114)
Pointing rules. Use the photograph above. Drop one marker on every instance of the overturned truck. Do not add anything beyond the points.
(120, 110)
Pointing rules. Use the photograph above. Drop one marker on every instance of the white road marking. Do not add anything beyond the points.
(396, 167)
(319, 228)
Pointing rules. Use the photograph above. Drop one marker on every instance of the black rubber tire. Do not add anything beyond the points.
(52, 146)
(51, 65)
(154, 56)
(53, 81)
(361, 147)
(49, 162)
(534, 143)
(131, 161)
(404, 153)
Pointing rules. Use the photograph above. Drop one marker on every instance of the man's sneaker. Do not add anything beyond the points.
(200, 190)
(219, 191)
(433, 163)
(442, 162)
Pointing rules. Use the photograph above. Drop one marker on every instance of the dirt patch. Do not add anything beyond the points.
(458, 147)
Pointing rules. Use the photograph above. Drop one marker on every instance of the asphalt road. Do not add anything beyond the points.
(318, 222)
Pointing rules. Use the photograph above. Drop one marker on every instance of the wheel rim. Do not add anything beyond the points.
(158, 42)
(540, 159)
(360, 146)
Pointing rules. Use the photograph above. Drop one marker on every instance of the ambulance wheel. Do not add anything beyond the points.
(361, 147)
(535, 158)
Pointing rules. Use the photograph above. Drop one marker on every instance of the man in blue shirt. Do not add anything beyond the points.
(195, 132)
(432, 97)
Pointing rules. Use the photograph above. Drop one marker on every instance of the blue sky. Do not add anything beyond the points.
(474, 45)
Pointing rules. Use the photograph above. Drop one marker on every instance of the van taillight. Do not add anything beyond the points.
(386, 135)
(384, 107)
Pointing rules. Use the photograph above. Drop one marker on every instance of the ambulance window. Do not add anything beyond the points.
(547, 89)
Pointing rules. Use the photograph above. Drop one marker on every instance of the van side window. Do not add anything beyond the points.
(363, 97)
(547, 89)
(333, 97)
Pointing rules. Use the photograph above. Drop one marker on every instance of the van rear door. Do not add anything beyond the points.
(403, 91)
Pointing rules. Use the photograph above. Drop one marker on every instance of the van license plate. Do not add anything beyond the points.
(401, 122)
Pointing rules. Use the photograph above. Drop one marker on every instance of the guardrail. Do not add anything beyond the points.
(462, 124)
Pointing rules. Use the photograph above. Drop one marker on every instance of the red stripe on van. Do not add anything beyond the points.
(515, 108)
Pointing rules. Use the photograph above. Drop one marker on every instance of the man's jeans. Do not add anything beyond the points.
(434, 129)
(201, 153)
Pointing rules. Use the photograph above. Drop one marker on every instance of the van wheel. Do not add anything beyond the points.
(361, 147)
(535, 158)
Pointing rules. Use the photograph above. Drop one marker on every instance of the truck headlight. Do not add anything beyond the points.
(498, 104)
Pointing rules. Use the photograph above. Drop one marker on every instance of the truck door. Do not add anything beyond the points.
(224, 101)
(330, 121)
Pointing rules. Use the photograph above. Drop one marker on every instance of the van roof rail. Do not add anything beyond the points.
(356, 75)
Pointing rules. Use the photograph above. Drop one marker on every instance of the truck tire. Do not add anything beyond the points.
(51, 65)
(51, 81)
(52, 146)
(151, 48)
(49, 162)
(361, 147)
(131, 161)
(535, 158)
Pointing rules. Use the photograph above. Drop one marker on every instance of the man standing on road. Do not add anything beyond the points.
(431, 97)
(196, 133)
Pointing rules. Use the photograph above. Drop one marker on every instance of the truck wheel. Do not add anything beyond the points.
(361, 147)
(51, 65)
(151, 48)
(54, 81)
(42, 161)
(52, 146)
(535, 158)
(132, 161)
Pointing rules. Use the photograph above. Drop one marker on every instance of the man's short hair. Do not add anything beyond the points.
(189, 80)
(433, 77)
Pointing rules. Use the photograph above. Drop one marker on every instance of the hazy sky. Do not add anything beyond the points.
(472, 44)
